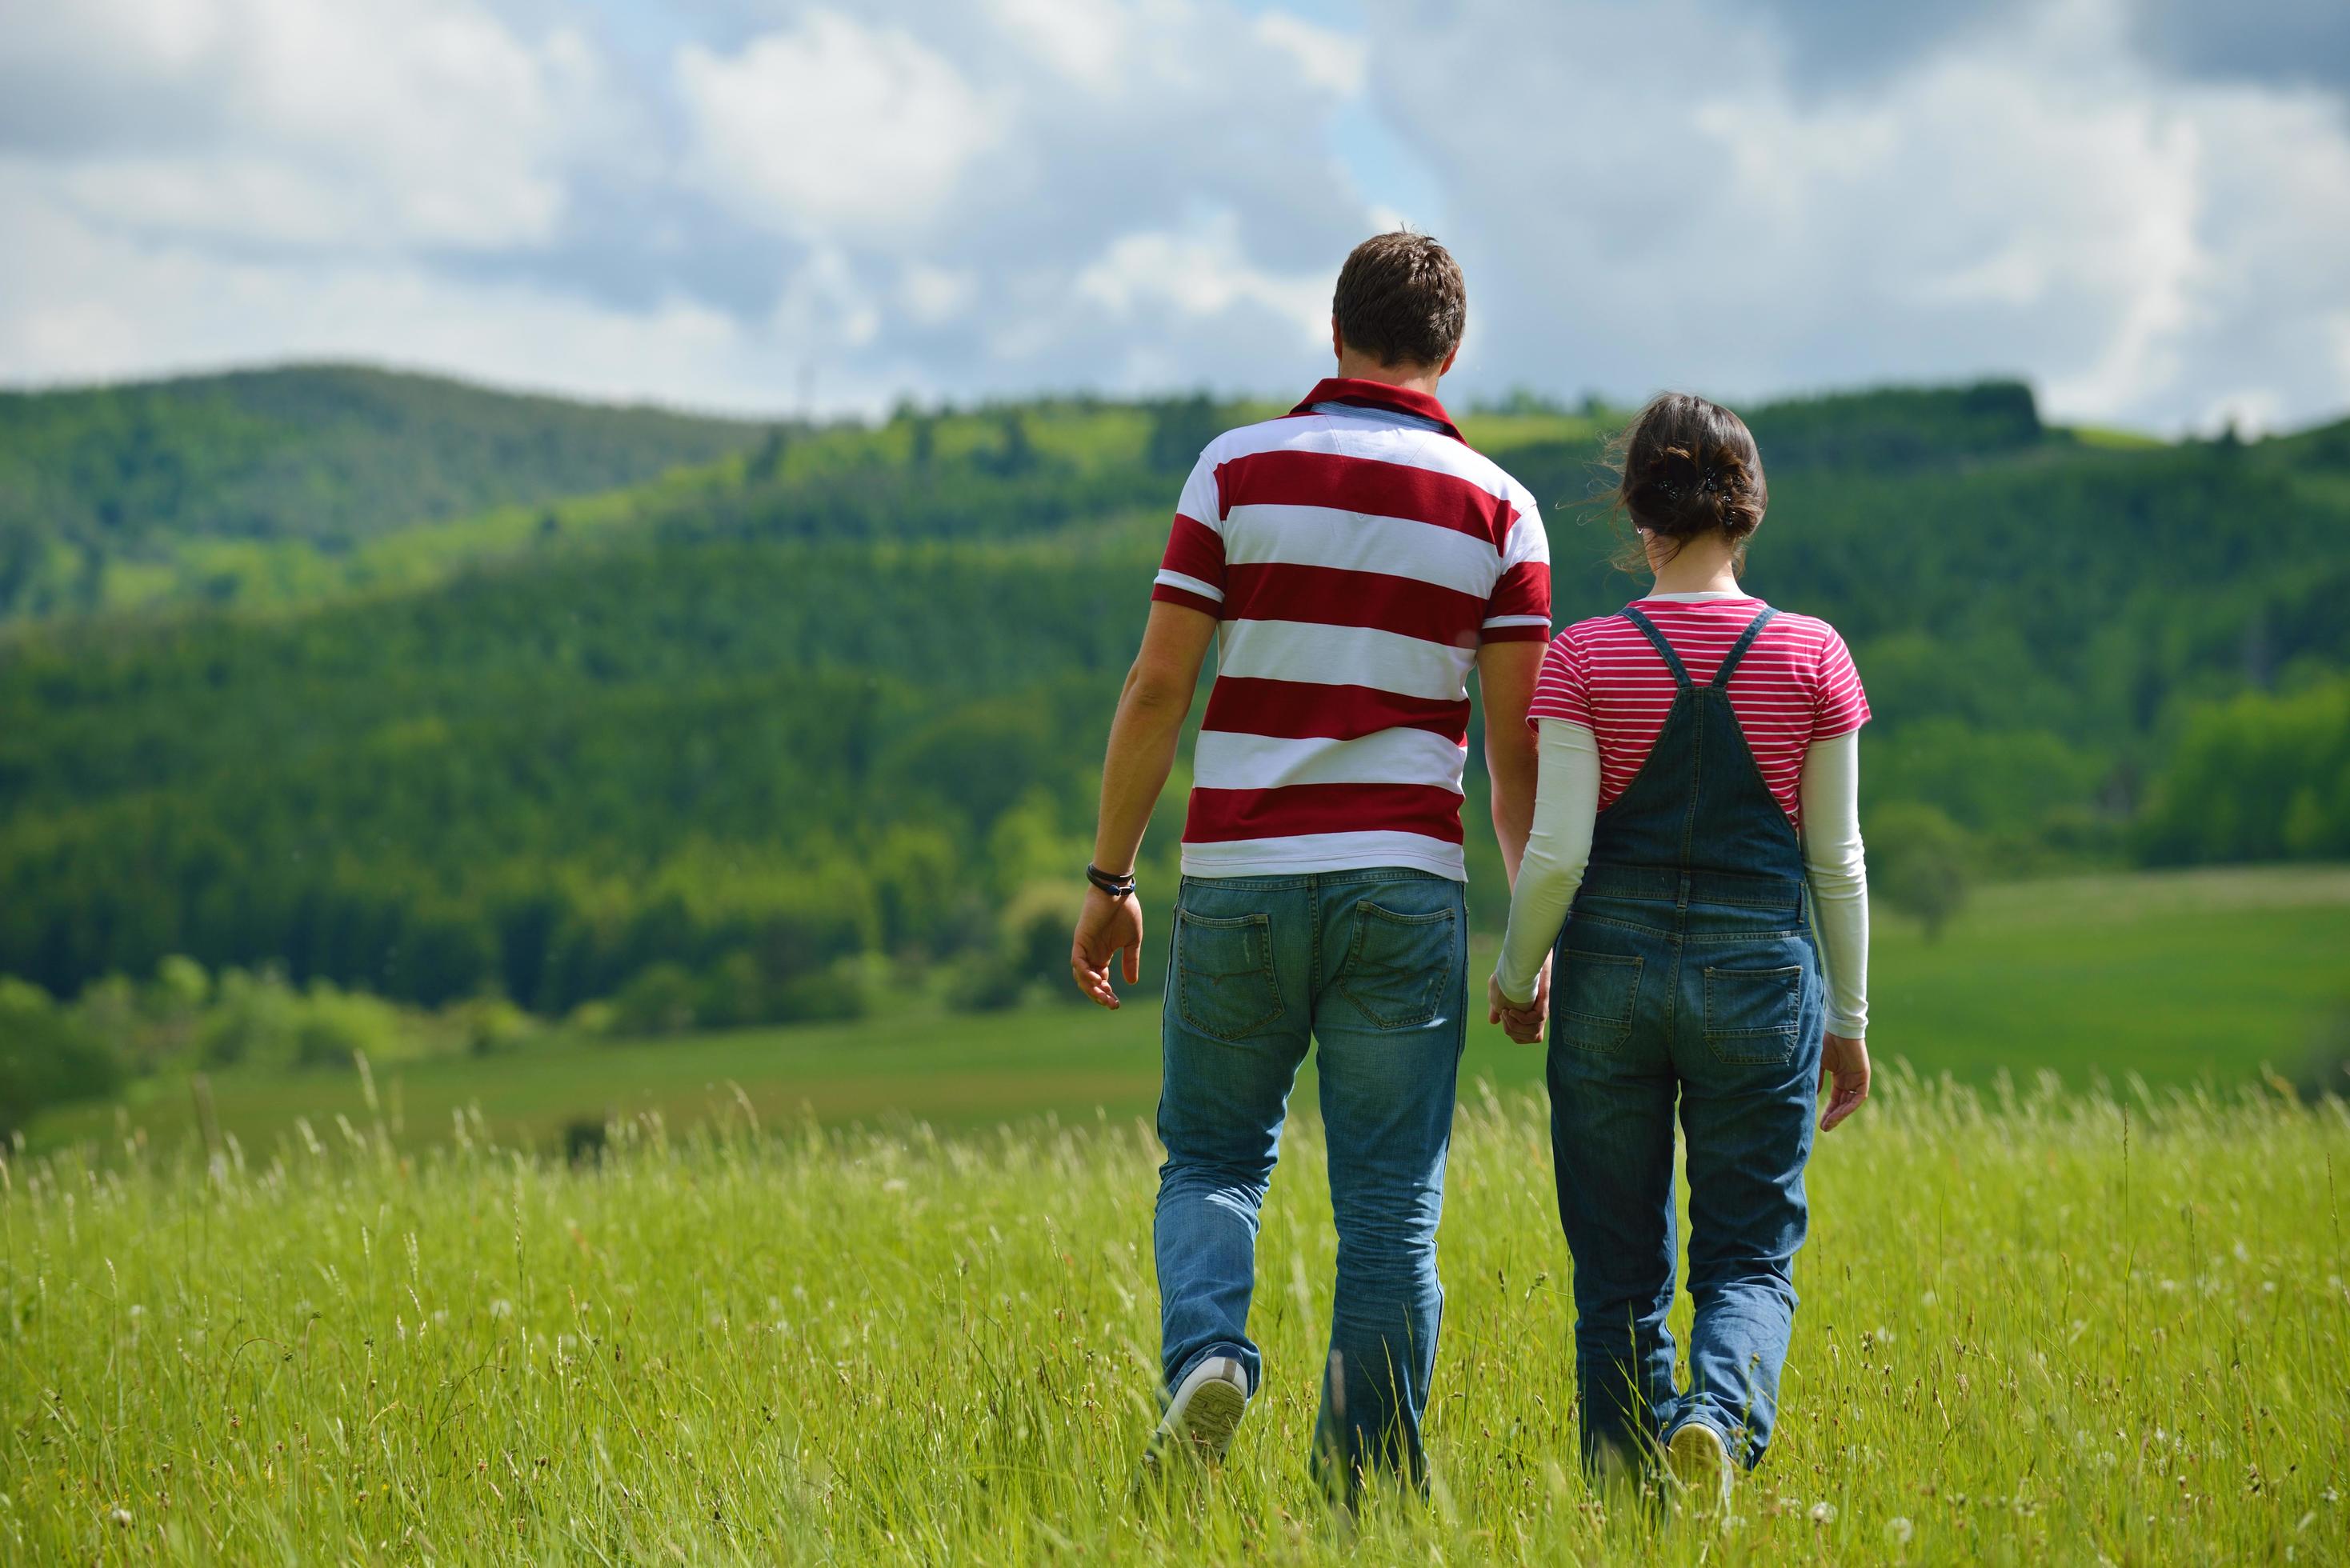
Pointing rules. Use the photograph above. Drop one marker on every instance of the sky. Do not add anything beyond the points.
(780, 206)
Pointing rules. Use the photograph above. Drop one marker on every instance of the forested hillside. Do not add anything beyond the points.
(165, 490)
(699, 745)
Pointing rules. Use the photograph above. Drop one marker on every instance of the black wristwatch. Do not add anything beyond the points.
(1117, 886)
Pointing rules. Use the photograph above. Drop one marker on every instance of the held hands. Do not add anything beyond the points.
(1525, 1024)
(1106, 929)
(1846, 1062)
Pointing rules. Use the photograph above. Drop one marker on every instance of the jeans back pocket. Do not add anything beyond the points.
(1752, 1014)
(1399, 966)
(1592, 1002)
(1223, 973)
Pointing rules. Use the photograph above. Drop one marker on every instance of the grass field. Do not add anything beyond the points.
(2178, 978)
(2068, 1329)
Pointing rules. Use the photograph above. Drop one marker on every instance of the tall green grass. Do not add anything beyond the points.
(2037, 1328)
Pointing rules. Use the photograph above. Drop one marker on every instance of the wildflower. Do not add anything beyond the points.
(1823, 1512)
(501, 1307)
(1900, 1531)
(121, 1516)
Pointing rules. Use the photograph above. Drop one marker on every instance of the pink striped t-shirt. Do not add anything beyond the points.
(1796, 685)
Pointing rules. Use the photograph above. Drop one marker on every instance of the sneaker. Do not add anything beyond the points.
(1700, 1466)
(1198, 1423)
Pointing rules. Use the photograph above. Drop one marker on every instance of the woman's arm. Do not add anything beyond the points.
(1833, 857)
(1566, 800)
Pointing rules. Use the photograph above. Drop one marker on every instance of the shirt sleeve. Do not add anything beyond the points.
(1566, 806)
(1839, 706)
(1519, 608)
(1563, 689)
(1191, 572)
(1836, 866)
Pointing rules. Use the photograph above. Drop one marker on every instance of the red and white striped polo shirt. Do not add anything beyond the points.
(1796, 685)
(1356, 553)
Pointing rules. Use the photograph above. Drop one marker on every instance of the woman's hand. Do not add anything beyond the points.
(1846, 1060)
(1522, 1024)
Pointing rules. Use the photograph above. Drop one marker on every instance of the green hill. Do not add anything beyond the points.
(707, 744)
(161, 490)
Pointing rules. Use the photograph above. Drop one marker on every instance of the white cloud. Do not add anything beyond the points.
(935, 295)
(1203, 273)
(832, 127)
(954, 197)
(81, 304)
(1084, 40)
(362, 125)
(2029, 200)
(1331, 61)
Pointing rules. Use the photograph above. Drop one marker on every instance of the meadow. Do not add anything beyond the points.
(2036, 1328)
(882, 1292)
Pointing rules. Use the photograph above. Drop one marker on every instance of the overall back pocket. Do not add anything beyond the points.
(1752, 1014)
(1223, 973)
(1592, 1000)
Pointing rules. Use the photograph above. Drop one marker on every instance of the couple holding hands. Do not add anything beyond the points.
(1675, 792)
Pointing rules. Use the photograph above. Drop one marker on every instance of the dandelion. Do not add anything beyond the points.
(1900, 1531)
(501, 1307)
(121, 1516)
(1824, 1512)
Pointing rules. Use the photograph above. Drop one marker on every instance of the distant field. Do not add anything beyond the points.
(2179, 978)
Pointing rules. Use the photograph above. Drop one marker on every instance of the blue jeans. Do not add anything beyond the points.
(1373, 964)
(1660, 995)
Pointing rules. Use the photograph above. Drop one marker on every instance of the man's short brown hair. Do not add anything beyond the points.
(1401, 298)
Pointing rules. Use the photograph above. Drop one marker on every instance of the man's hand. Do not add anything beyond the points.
(1846, 1062)
(1107, 928)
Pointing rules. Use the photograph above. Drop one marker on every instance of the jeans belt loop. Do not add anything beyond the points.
(1682, 902)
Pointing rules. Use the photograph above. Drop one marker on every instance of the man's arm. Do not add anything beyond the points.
(1505, 680)
(1142, 738)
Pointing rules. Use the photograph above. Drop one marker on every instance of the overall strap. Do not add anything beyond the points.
(1672, 660)
(1738, 649)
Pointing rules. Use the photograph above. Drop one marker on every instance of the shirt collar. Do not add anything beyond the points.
(1380, 395)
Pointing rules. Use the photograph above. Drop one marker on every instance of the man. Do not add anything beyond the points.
(1356, 560)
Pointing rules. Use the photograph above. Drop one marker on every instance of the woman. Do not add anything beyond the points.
(1700, 778)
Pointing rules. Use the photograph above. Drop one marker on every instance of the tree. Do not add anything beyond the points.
(46, 1057)
(1919, 861)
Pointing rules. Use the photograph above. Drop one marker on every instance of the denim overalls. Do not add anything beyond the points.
(1686, 972)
